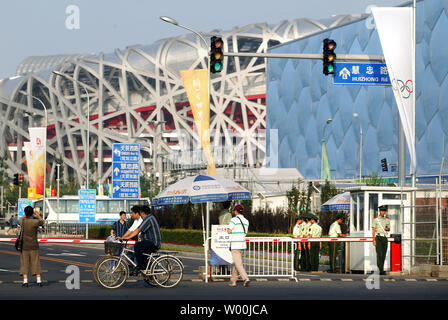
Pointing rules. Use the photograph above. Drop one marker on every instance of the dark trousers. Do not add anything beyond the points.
(381, 250)
(297, 258)
(314, 256)
(332, 253)
(305, 262)
(141, 247)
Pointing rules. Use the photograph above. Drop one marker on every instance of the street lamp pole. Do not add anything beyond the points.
(45, 152)
(87, 151)
(355, 115)
(174, 22)
(323, 141)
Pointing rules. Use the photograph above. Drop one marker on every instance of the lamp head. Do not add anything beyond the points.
(169, 20)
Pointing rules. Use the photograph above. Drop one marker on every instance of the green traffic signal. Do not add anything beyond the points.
(329, 56)
(216, 54)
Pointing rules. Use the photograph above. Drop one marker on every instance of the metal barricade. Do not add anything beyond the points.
(265, 257)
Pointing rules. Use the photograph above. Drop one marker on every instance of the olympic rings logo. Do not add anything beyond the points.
(404, 88)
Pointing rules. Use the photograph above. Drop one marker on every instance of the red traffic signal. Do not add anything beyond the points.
(216, 54)
(329, 56)
(20, 178)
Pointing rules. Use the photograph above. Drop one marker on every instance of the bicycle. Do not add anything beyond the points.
(162, 269)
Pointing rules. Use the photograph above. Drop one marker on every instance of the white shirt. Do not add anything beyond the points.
(238, 239)
(136, 224)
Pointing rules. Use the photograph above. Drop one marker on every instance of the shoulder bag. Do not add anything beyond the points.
(19, 240)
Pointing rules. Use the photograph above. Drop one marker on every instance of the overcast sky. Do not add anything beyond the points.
(48, 27)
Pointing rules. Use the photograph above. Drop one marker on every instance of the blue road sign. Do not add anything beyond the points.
(126, 170)
(361, 73)
(23, 202)
(87, 205)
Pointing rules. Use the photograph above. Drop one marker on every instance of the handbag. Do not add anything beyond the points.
(19, 240)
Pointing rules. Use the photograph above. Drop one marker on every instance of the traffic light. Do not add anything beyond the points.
(384, 164)
(329, 56)
(21, 178)
(216, 54)
(16, 179)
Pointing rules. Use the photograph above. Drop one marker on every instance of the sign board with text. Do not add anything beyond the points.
(87, 205)
(361, 73)
(126, 170)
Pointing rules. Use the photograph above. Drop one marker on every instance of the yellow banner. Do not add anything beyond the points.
(196, 87)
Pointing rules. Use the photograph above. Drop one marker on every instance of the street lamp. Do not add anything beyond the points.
(355, 115)
(45, 151)
(329, 120)
(87, 151)
(174, 22)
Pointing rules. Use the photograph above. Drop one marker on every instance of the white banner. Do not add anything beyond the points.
(395, 30)
(220, 247)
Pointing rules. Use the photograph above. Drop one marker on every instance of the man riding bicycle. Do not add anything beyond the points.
(151, 239)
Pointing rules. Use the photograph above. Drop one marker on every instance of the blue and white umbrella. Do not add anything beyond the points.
(340, 202)
(200, 189)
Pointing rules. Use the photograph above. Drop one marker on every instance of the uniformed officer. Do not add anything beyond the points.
(305, 261)
(334, 232)
(380, 228)
(315, 247)
(297, 233)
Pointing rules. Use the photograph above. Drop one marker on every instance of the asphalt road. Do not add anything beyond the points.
(56, 258)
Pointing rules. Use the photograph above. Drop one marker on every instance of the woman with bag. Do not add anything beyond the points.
(29, 258)
(238, 227)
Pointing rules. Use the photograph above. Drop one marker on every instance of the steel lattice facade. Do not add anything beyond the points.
(131, 91)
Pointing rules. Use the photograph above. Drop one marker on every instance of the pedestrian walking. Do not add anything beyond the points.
(315, 247)
(238, 228)
(334, 232)
(380, 229)
(29, 257)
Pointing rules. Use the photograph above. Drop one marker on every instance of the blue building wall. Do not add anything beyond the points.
(300, 99)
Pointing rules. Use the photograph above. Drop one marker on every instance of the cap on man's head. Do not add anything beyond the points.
(383, 207)
(238, 208)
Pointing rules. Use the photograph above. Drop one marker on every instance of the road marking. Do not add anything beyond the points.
(347, 280)
(411, 280)
(431, 280)
(304, 279)
(65, 254)
(69, 262)
(326, 279)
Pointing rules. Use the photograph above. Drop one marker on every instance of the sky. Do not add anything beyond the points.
(50, 27)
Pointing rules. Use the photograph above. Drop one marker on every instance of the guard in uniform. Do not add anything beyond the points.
(315, 232)
(305, 262)
(297, 233)
(380, 228)
(334, 232)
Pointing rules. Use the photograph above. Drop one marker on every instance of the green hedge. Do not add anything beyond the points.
(182, 236)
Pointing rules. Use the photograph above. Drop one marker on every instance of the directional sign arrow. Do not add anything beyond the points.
(117, 152)
(116, 171)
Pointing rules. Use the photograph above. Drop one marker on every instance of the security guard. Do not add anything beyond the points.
(334, 232)
(297, 233)
(305, 262)
(380, 228)
(315, 247)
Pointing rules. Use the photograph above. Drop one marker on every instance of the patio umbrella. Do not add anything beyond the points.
(201, 189)
(340, 202)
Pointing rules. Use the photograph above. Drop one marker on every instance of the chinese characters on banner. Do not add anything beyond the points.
(35, 158)
(196, 86)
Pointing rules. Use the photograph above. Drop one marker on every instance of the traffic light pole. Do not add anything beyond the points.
(315, 56)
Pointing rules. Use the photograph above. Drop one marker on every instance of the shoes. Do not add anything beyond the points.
(246, 283)
(135, 272)
(232, 284)
(25, 285)
(39, 284)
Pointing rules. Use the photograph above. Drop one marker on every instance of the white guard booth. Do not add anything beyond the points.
(364, 203)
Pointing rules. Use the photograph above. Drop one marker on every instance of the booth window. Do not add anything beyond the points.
(361, 212)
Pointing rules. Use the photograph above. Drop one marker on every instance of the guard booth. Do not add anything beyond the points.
(364, 203)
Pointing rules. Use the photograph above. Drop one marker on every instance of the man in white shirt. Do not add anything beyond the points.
(135, 215)
(238, 228)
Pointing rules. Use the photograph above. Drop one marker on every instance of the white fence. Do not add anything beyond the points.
(264, 258)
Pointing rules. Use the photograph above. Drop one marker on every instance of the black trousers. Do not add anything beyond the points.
(314, 256)
(332, 253)
(381, 251)
(141, 247)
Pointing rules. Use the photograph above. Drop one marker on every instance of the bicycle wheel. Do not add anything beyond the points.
(112, 273)
(96, 264)
(167, 271)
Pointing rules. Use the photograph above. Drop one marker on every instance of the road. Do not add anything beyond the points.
(55, 259)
